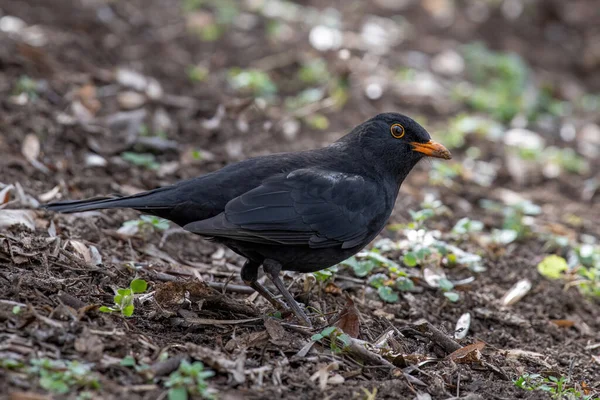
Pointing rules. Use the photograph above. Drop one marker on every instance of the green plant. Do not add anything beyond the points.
(557, 387)
(26, 85)
(145, 160)
(514, 225)
(253, 81)
(335, 336)
(148, 223)
(189, 379)
(60, 377)
(314, 71)
(197, 73)
(123, 299)
(325, 274)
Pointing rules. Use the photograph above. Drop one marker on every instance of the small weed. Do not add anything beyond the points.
(61, 377)
(197, 73)
(29, 87)
(123, 299)
(325, 274)
(335, 336)
(148, 223)
(145, 160)
(189, 379)
(516, 223)
(252, 81)
(558, 388)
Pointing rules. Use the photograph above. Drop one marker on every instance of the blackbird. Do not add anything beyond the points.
(302, 211)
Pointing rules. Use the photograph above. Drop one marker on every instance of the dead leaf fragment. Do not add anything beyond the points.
(9, 218)
(30, 147)
(82, 250)
(349, 322)
(5, 194)
(462, 326)
(468, 354)
(563, 323)
(517, 292)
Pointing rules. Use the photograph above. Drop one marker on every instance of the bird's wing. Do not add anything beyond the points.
(311, 207)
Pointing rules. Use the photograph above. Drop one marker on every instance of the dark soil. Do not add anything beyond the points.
(60, 291)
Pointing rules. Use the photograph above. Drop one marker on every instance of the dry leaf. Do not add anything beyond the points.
(31, 147)
(462, 326)
(82, 250)
(517, 292)
(349, 322)
(51, 194)
(467, 354)
(5, 194)
(9, 218)
(333, 288)
(563, 323)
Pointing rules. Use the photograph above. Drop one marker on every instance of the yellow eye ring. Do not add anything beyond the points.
(397, 131)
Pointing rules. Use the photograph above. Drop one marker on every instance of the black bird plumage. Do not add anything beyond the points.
(302, 211)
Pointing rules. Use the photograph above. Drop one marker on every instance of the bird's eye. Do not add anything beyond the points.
(397, 131)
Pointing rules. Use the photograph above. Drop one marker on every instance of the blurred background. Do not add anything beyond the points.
(115, 96)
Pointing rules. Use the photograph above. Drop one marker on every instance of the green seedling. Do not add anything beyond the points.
(190, 379)
(148, 223)
(145, 160)
(338, 340)
(252, 81)
(123, 299)
(62, 377)
(557, 387)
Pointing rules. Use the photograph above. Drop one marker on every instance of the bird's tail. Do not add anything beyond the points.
(143, 201)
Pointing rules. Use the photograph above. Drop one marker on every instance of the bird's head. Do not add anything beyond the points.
(395, 143)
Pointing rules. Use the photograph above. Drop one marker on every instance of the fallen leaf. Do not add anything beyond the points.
(49, 195)
(563, 323)
(31, 147)
(9, 218)
(467, 354)
(462, 326)
(333, 288)
(5, 194)
(275, 331)
(82, 250)
(96, 256)
(516, 292)
(349, 322)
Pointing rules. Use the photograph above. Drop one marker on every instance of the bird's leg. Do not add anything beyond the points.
(272, 268)
(250, 277)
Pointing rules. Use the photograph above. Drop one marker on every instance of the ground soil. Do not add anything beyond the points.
(56, 285)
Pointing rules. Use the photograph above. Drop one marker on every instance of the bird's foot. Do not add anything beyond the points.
(272, 268)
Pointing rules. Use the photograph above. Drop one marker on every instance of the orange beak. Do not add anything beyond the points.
(432, 149)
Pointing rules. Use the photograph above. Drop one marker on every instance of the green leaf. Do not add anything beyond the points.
(128, 310)
(345, 339)
(452, 296)
(124, 292)
(553, 267)
(445, 284)
(178, 393)
(410, 259)
(377, 280)
(105, 309)
(316, 337)
(16, 310)
(388, 294)
(328, 331)
(404, 284)
(138, 285)
(118, 299)
(127, 361)
(52, 384)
